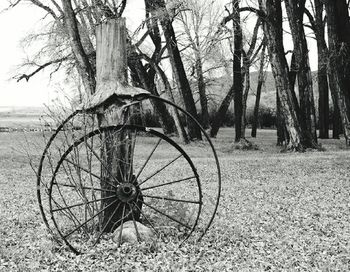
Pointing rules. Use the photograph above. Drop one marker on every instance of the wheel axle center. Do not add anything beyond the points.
(126, 192)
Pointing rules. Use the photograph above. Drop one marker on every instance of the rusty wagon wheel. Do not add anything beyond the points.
(170, 186)
(146, 188)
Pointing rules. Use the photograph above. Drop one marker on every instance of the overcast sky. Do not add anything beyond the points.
(14, 25)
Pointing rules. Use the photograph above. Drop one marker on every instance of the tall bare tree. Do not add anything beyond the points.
(159, 10)
(261, 79)
(239, 73)
(338, 23)
(271, 11)
(295, 11)
(199, 20)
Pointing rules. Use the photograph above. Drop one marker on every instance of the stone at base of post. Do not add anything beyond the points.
(129, 233)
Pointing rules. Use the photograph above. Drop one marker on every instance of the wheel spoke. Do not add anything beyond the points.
(82, 168)
(168, 183)
(83, 187)
(167, 215)
(107, 223)
(121, 227)
(104, 166)
(143, 214)
(83, 203)
(148, 158)
(161, 169)
(134, 221)
(89, 156)
(123, 216)
(131, 157)
(68, 214)
(64, 200)
(172, 199)
(88, 220)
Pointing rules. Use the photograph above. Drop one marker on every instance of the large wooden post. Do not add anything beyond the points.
(111, 55)
(111, 65)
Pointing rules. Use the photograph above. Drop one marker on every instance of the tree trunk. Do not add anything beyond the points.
(237, 69)
(261, 79)
(307, 118)
(178, 67)
(236, 90)
(248, 58)
(221, 112)
(111, 56)
(282, 133)
(146, 80)
(179, 126)
(274, 34)
(336, 119)
(202, 92)
(339, 59)
(246, 73)
(292, 75)
(322, 54)
(323, 100)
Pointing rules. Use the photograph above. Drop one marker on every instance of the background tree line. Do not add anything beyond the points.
(182, 47)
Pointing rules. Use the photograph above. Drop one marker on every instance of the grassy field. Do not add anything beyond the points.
(278, 211)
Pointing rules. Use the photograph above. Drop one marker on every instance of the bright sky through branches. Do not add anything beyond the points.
(15, 24)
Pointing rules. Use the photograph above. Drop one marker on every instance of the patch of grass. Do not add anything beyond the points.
(278, 211)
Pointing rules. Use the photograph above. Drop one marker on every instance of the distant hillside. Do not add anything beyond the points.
(218, 88)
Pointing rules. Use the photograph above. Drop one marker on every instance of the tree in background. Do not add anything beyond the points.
(271, 11)
(199, 20)
(249, 57)
(160, 11)
(242, 60)
(261, 79)
(338, 24)
(307, 116)
(317, 24)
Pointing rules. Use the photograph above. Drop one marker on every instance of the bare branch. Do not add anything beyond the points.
(311, 19)
(41, 67)
(10, 6)
(46, 8)
(121, 8)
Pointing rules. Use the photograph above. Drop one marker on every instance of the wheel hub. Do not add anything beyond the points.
(126, 192)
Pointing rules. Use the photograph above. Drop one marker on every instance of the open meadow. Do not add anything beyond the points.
(278, 211)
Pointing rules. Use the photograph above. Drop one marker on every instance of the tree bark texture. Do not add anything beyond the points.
(337, 123)
(219, 116)
(322, 55)
(282, 133)
(146, 80)
(339, 58)
(246, 73)
(295, 12)
(158, 6)
(261, 79)
(116, 151)
(202, 92)
(237, 69)
(176, 115)
(274, 33)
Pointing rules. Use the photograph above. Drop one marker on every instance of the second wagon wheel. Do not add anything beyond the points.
(156, 183)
